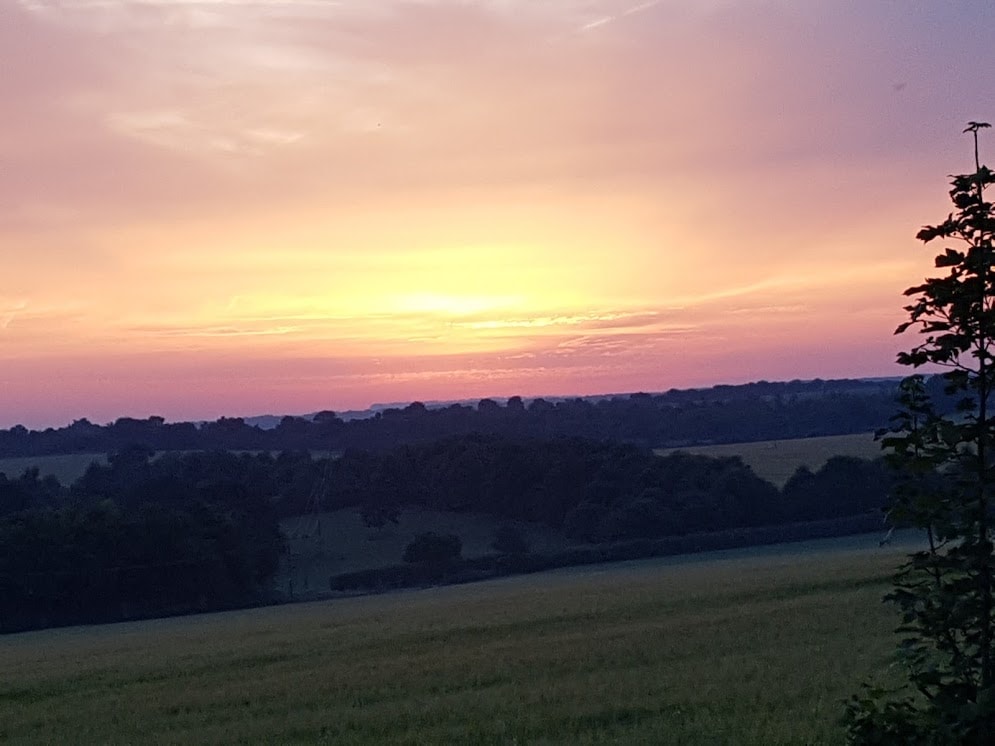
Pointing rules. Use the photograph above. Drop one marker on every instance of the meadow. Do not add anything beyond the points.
(732, 648)
(67, 468)
(777, 460)
(345, 544)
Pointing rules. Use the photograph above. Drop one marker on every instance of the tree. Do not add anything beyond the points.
(946, 486)
(843, 486)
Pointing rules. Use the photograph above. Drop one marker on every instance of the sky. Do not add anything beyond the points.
(237, 207)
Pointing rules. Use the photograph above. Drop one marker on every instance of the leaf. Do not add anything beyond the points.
(949, 258)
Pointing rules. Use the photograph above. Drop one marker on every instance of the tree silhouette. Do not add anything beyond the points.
(946, 472)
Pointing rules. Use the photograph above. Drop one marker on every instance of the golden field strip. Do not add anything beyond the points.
(777, 460)
(729, 649)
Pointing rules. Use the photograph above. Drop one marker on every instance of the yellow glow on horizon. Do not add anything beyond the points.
(290, 205)
(454, 305)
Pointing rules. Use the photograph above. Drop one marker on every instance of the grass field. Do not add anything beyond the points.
(344, 544)
(66, 468)
(730, 649)
(777, 460)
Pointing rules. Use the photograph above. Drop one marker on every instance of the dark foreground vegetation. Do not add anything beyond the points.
(722, 414)
(149, 535)
(945, 478)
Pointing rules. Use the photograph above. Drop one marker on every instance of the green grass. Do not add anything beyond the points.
(777, 460)
(732, 651)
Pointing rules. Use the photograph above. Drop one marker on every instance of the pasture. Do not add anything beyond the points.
(734, 648)
(344, 543)
(777, 460)
(67, 468)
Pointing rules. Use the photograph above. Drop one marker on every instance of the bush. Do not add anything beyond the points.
(432, 547)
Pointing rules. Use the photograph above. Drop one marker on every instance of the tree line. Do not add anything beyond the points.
(135, 538)
(597, 491)
(721, 414)
(148, 535)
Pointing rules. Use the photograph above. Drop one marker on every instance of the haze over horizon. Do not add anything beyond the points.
(220, 207)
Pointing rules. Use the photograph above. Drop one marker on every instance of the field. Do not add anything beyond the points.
(777, 460)
(734, 648)
(66, 468)
(344, 544)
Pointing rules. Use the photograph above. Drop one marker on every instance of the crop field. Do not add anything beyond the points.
(777, 460)
(730, 649)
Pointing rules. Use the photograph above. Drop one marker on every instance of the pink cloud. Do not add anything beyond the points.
(670, 192)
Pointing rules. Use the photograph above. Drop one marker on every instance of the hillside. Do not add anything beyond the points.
(746, 650)
(343, 543)
(146, 534)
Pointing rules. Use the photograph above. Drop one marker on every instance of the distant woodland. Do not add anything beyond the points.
(185, 518)
(193, 531)
(722, 414)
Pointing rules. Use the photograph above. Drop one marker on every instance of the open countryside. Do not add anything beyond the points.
(67, 468)
(503, 373)
(320, 545)
(742, 648)
(777, 460)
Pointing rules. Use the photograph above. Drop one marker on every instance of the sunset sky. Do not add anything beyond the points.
(234, 207)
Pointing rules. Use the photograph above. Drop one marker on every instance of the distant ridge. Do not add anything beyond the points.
(270, 421)
(677, 418)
